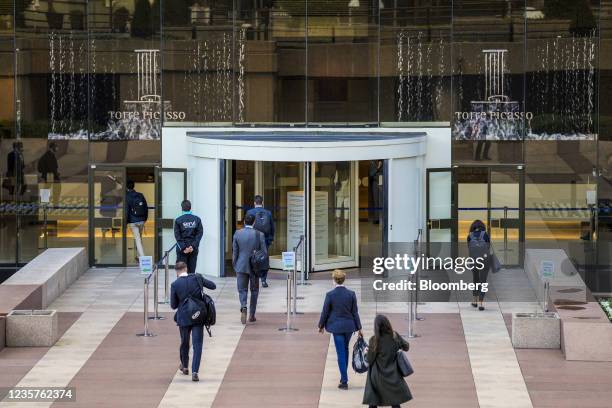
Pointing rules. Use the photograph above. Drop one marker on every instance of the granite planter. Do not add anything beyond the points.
(2, 331)
(536, 330)
(31, 328)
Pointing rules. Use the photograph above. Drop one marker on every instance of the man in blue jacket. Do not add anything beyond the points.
(264, 222)
(340, 317)
(186, 285)
(188, 233)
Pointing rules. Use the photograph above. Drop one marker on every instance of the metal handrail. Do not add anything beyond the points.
(155, 275)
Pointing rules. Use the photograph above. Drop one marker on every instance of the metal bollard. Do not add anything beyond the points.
(156, 315)
(166, 299)
(147, 332)
(546, 293)
(288, 328)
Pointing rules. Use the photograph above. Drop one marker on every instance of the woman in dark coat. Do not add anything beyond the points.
(479, 245)
(385, 385)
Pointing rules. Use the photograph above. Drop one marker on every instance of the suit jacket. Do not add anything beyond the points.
(244, 243)
(184, 287)
(340, 314)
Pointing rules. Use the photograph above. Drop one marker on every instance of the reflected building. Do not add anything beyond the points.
(520, 86)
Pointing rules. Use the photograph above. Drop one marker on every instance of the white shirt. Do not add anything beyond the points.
(183, 275)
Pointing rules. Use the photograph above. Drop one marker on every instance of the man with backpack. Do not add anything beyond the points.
(188, 233)
(185, 292)
(137, 214)
(479, 246)
(264, 222)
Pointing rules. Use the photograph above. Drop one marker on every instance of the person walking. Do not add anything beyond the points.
(479, 246)
(137, 215)
(245, 242)
(185, 286)
(385, 385)
(188, 232)
(15, 166)
(264, 222)
(340, 317)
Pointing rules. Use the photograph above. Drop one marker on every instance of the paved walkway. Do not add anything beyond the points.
(463, 357)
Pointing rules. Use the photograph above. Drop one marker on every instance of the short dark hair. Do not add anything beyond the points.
(186, 205)
(249, 219)
(130, 184)
(180, 266)
(258, 199)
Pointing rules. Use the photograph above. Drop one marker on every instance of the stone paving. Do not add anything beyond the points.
(463, 357)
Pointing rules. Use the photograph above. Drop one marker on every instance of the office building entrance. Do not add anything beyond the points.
(344, 204)
(339, 188)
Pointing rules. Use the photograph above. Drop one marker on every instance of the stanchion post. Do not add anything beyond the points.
(146, 332)
(546, 292)
(166, 299)
(416, 303)
(156, 315)
(288, 328)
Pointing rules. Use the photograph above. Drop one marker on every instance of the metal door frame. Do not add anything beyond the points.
(92, 209)
(520, 171)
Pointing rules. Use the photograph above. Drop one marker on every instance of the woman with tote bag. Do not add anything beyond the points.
(385, 385)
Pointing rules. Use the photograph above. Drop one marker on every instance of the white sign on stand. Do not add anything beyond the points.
(45, 195)
(295, 217)
(547, 270)
(146, 264)
(288, 260)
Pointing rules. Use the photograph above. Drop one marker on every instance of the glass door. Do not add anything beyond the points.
(107, 216)
(439, 211)
(334, 223)
(282, 188)
(171, 190)
(506, 214)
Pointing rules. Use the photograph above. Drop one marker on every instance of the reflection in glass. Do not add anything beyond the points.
(108, 220)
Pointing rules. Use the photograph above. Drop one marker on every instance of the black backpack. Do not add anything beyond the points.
(260, 262)
(478, 247)
(200, 308)
(139, 206)
(263, 222)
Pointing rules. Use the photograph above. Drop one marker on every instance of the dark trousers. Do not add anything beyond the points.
(197, 335)
(191, 259)
(479, 275)
(248, 282)
(341, 341)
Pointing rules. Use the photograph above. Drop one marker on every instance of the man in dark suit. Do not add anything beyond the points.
(188, 232)
(340, 317)
(264, 222)
(244, 243)
(186, 285)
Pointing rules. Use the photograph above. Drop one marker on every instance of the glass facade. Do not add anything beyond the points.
(520, 83)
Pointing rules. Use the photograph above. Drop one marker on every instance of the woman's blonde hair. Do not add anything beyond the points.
(339, 276)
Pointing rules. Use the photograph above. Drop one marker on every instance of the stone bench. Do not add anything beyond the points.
(46, 277)
(536, 330)
(2, 332)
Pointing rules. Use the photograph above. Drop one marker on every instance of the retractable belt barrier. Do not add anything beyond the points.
(155, 275)
(292, 288)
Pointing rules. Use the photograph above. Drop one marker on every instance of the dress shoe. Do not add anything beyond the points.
(343, 386)
(243, 316)
(194, 377)
(252, 319)
(264, 284)
(481, 307)
(184, 370)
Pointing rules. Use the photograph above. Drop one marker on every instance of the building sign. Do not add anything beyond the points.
(497, 116)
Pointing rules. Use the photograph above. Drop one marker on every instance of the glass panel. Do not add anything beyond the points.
(333, 212)
(440, 206)
(343, 61)
(415, 61)
(472, 203)
(144, 182)
(505, 211)
(283, 192)
(108, 199)
(124, 89)
(172, 185)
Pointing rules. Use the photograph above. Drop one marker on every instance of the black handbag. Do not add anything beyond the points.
(403, 364)
(260, 262)
(195, 307)
(359, 360)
